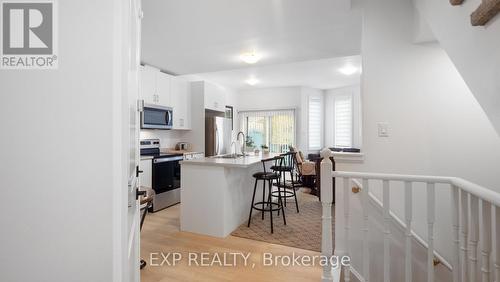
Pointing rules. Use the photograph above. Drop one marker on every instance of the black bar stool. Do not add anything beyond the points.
(288, 166)
(267, 205)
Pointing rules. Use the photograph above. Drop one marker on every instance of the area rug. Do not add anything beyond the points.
(302, 230)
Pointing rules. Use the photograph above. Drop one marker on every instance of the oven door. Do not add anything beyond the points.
(166, 174)
(156, 117)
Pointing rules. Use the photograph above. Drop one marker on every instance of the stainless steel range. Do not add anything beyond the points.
(166, 174)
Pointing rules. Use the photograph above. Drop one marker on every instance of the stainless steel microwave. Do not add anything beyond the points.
(156, 117)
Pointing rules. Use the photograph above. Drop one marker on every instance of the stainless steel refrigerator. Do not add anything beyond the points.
(217, 136)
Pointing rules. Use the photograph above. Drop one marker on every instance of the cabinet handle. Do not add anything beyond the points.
(138, 171)
(139, 193)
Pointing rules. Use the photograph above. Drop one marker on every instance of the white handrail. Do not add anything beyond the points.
(472, 188)
(471, 204)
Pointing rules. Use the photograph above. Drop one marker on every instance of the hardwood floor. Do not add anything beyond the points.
(161, 234)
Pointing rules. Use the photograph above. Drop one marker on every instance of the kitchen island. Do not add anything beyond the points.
(216, 193)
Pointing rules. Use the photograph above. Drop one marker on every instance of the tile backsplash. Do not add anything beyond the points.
(168, 138)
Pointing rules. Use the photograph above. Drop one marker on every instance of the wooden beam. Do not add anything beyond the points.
(456, 2)
(485, 12)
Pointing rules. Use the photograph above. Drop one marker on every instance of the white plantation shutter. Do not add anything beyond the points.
(315, 121)
(343, 121)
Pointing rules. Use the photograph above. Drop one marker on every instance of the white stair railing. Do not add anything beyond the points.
(471, 209)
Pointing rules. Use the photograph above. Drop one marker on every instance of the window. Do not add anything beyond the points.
(343, 121)
(275, 129)
(315, 122)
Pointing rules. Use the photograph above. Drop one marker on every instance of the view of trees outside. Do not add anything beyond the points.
(276, 131)
(258, 130)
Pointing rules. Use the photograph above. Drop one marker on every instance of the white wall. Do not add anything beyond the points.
(436, 126)
(270, 98)
(232, 100)
(330, 94)
(57, 151)
(475, 51)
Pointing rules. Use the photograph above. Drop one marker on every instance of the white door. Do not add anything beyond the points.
(132, 58)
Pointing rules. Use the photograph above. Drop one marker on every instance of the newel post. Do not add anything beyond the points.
(326, 218)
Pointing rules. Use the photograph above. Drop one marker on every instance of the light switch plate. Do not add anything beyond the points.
(383, 129)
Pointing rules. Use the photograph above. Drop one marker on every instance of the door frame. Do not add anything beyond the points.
(123, 16)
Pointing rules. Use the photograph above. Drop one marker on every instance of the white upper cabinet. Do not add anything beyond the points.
(155, 86)
(148, 84)
(215, 97)
(163, 87)
(181, 99)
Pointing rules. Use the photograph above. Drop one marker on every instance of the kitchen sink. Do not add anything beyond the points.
(229, 156)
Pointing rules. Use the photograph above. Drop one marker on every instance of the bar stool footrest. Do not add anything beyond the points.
(272, 206)
(286, 185)
(284, 194)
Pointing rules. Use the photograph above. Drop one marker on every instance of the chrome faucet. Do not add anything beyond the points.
(242, 142)
(233, 143)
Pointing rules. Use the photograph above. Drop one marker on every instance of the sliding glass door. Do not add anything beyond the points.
(272, 129)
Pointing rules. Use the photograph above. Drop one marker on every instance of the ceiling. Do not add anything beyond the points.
(197, 36)
(320, 74)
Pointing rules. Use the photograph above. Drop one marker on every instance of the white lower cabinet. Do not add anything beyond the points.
(146, 177)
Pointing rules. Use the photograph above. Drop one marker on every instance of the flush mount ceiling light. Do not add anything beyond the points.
(250, 57)
(348, 70)
(252, 81)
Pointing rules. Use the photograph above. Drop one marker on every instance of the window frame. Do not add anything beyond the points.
(243, 116)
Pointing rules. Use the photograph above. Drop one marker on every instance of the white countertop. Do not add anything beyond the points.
(184, 152)
(242, 162)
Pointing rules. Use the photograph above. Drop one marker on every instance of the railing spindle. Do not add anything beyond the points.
(474, 236)
(408, 217)
(431, 206)
(496, 263)
(464, 224)
(326, 218)
(456, 231)
(387, 231)
(366, 230)
(471, 223)
(485, 240)
(347, 193)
